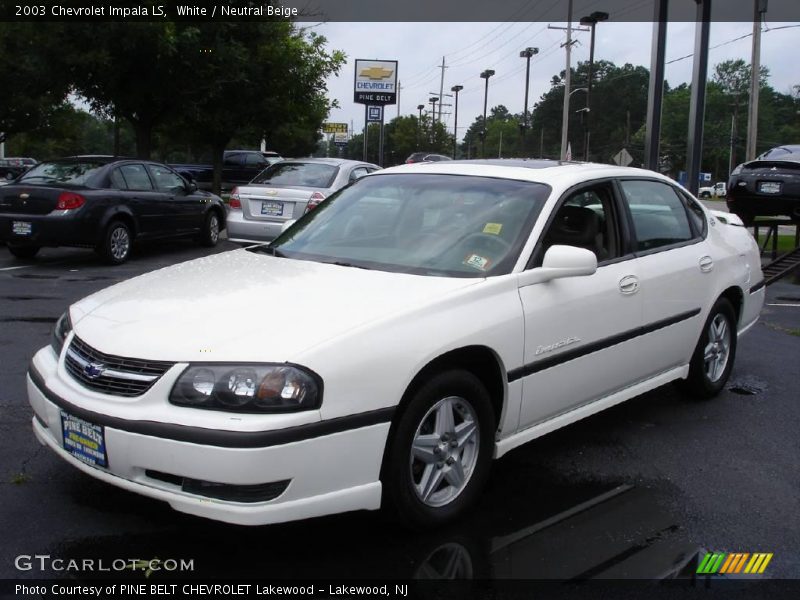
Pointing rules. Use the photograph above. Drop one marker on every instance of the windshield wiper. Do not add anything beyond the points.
(267, 249)
(347, 264)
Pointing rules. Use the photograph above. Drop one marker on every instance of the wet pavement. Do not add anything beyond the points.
(639, 491)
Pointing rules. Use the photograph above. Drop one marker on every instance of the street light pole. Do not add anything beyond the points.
(526, 54)
(419, 121)
(455, 89)
(433, 100)
(485, 75)
(592, 20)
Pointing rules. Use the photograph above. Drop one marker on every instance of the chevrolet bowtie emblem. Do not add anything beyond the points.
(24, 196)
(376, 73)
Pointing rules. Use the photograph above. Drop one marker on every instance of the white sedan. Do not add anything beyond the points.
(392, 343)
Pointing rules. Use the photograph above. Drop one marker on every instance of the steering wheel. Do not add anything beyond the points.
(496, 244)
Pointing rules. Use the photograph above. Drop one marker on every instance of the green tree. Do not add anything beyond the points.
(33, 87)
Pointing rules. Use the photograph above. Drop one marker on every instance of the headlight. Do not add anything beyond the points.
(60, 332)
(247, 388)
(737, 170)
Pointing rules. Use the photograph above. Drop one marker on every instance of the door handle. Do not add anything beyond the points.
(629, 284)
(706, 264)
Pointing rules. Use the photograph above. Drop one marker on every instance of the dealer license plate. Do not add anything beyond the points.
(273, 209)
(769, 187)
(21, 227)
(84, 440)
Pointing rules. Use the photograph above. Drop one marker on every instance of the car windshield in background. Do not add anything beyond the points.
(67, 171)
(447, 225)
(285, 173)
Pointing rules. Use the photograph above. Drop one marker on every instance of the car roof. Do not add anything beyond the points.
(552, 172)
(338, 162)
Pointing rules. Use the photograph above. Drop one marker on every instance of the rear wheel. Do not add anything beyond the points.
(439, 456)
(26, 251)
(210, 234)
(713, 357)
(115, 248)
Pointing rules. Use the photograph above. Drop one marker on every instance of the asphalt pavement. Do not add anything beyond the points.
(639, 491)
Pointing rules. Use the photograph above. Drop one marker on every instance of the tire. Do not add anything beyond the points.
(23, 251)
(714, 355)
(115, 248)
(451, 422)
(210, 234)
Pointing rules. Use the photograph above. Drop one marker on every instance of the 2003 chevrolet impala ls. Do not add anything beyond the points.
(387, 346)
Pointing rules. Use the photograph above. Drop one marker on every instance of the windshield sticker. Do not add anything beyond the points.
(477, 262)
(493, 228)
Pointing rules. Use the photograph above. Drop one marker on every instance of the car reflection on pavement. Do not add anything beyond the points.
(598, 531)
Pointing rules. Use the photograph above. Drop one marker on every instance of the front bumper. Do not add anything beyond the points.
(326, 473)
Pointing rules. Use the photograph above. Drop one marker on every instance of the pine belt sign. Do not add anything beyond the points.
(375, 82)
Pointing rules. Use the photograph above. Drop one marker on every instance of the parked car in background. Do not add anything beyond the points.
(768, 186)
(718, 190)
(477, 306)
(286, 191)
(105, 203)
(13, 167)
(238, 166)
(426, 157)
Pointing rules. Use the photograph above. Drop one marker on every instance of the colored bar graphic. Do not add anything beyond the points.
(733, 562)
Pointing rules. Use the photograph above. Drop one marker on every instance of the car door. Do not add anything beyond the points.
(184, 210)
(675, 270)
(144, 201)
(579, 331)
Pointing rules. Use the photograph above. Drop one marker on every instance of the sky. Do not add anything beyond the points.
(469, 48)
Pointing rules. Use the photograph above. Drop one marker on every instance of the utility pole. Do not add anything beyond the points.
(567, 79)
(455, 89)
(697, 102)
(441, 88)
(760, 7)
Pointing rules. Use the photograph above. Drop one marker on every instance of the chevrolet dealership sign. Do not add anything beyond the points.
(376, 82)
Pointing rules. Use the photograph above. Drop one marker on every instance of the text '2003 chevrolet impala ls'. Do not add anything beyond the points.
(387, 346)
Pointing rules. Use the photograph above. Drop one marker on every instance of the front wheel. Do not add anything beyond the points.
(714, 354)
(210, 234)
(439, 456)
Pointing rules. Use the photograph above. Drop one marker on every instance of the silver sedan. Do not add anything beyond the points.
(285, 191)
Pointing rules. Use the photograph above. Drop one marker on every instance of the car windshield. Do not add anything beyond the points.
(300, 174)
(64, 171)
(429, 224)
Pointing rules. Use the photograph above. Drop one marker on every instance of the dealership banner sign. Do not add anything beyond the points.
(375, 82)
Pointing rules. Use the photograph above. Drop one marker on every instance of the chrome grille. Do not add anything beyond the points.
(110, 374)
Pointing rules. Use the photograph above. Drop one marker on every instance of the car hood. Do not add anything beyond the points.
(245, 306)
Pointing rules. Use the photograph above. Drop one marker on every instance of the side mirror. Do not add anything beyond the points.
(192, 187)
(559, 262)
(288, 224)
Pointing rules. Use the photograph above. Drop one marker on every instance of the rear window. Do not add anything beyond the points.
(66, 171)
(298, 174)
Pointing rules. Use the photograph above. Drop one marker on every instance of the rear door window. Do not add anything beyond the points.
(137, 178)
(658, 214)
